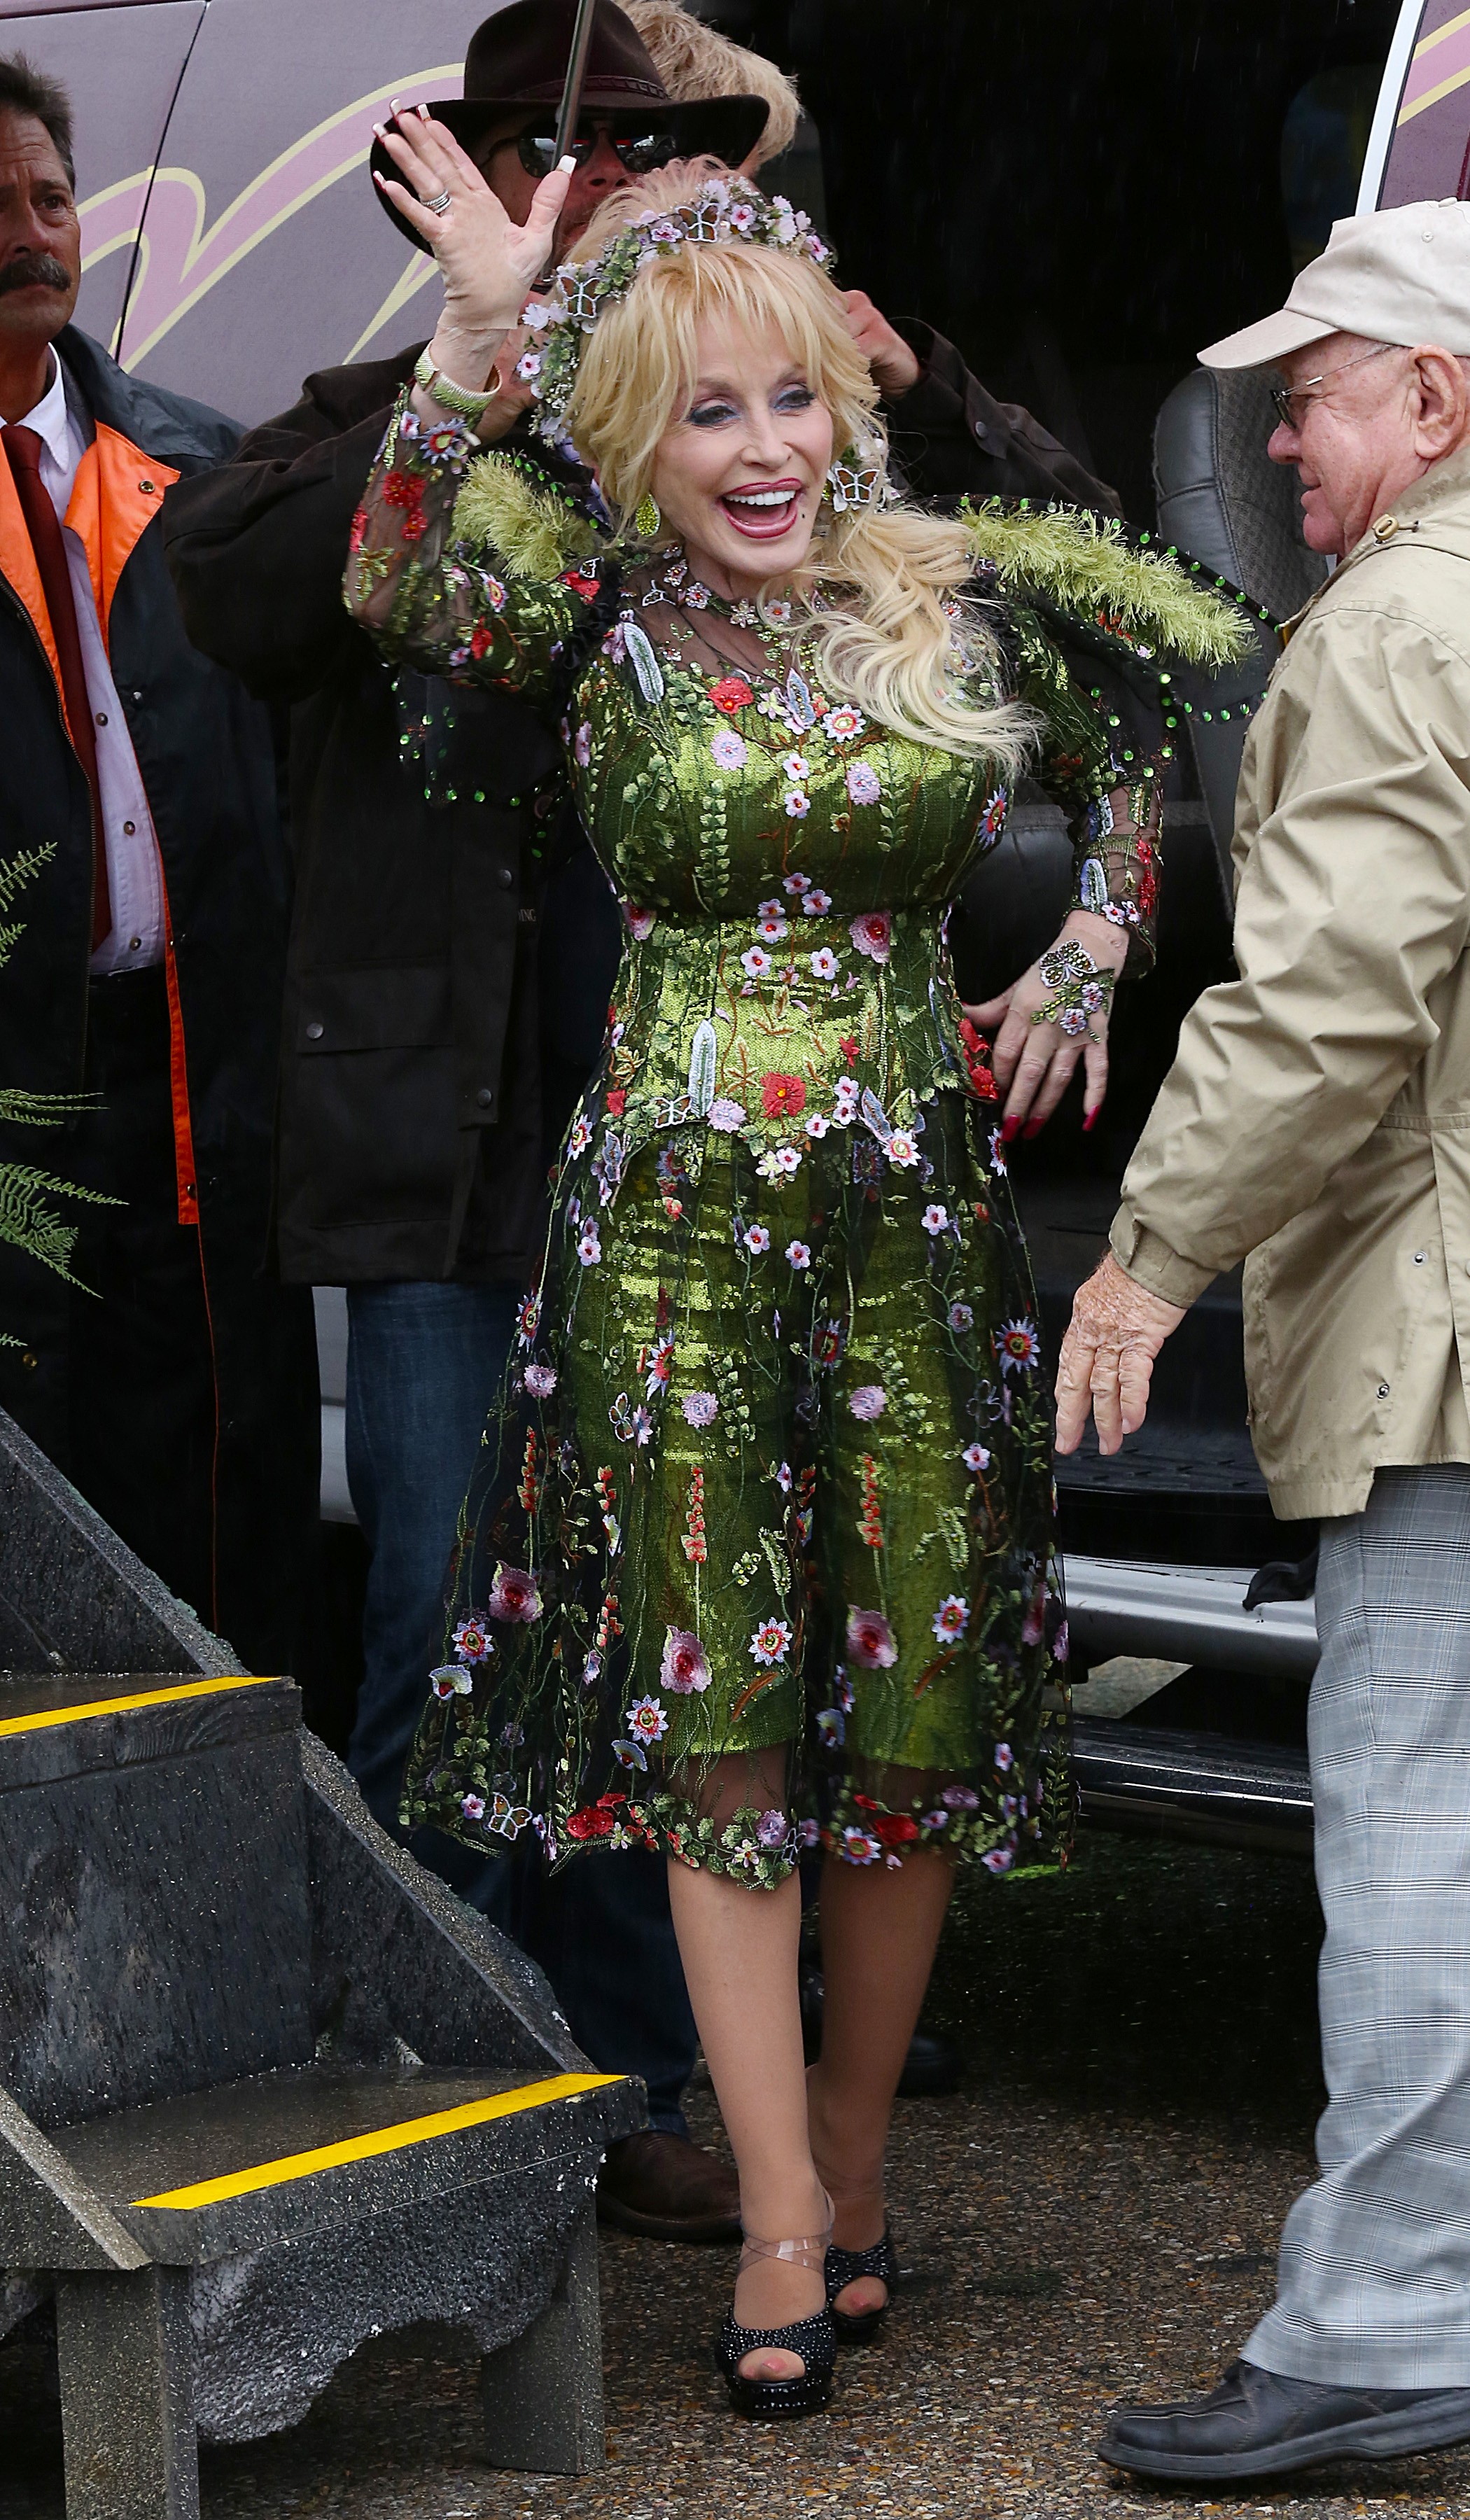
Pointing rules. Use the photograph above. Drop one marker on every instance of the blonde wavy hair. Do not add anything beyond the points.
(695, 62)
(874, 597)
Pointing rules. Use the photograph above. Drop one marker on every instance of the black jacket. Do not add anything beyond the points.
(418, 1111)
(206, 755)
(453, 941)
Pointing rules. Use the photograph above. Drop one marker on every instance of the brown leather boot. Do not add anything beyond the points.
(668, 2189)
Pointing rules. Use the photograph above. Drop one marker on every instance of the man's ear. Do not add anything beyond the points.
(1443, 415)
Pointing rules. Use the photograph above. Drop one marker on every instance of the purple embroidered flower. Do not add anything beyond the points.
(582, 746)
(472, 1640)
(772, 929)
(950, 1619)
(642, 1425)
(728, 750)
(975, 1458)
(640, 922)
(756, 1239)
(773, 1828)
(700, 1408)
(541, 1381)
(873, 932)
(1004, 1757)
(726, 1116)
(645, 1719)
(798, 804)
(473, 1806)
(859, 1848)
(797, 768)
(831, 1726)
(816, 1124)
(1061, 1644)
(870, 1640)
(809, 1832)
(902, 1150)
(961, 1317)
(513, 1596)
(770, 1642)
(936, 1217)
(1000, 1859)
(783, 1478)
(1017, 1346)
(799, 1254)
(960, 1798)
(869, 1401)
(756, 964)
(863, 784)
(824, 964)
(588, 1247)
(936, 1820)
(684, 1668)
(847, 1096)
(816, 904)
(795, 883)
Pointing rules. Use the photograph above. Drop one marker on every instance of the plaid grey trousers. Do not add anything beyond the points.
(1375, 2282)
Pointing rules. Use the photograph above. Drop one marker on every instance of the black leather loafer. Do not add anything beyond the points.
(1257, 2423)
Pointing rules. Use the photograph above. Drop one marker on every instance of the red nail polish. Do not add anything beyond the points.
(1010, 1128)
(1090, 1117)
(1033, 1128)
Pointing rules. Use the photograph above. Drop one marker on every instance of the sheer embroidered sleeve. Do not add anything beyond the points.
(1113, 806)
(431, 597)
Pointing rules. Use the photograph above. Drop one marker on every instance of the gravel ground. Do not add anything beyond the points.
(1093, 2216)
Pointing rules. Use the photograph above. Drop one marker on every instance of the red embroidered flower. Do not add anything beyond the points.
(599, 1818)
(731, 694)
(402, 490)
(782, 1097)
(616, 1103)
(849, 1050)
(482, 639)
(893, 1828)
(977, 1060)
(582, 581)
(359, 534)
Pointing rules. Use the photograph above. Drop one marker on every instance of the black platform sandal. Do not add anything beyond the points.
(814, 2338)
(849, 2265)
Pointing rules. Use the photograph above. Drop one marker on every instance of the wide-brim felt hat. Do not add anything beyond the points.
(518, 60)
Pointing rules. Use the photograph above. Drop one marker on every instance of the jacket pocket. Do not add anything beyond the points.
(380, 1007)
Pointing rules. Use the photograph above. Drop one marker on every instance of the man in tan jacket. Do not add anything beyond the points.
(1317, 1119)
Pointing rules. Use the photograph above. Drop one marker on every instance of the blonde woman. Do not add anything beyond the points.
(759, 1558)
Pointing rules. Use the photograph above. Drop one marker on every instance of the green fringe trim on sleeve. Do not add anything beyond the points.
(509, 510)
(1088, 566)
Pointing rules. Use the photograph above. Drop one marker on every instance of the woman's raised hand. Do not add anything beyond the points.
(487, 262)
(1034, 1055)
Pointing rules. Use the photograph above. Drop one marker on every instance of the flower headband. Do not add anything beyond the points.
(724, 210)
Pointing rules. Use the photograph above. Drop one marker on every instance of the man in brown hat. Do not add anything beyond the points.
(1314, 1124)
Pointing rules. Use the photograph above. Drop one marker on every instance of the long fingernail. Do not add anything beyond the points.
(1010, 1127)
(392, 104)
(1033, 1128)
(566, 166)
(1090, 1117)
(424, 114)
(381, 131)
(378, 180)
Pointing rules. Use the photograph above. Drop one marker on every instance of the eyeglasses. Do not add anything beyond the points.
(637, 152)
(1287, 398)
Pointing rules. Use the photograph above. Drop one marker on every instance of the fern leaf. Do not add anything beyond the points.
(33, 1226)
(43, 1111)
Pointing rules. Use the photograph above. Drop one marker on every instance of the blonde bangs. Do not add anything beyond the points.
(891, 646)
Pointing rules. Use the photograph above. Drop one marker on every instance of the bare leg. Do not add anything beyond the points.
(739, 1948)
(879, 1932)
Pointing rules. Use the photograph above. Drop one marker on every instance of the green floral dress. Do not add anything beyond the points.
(771, 1475)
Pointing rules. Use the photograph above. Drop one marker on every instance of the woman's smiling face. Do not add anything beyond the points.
(739, 474)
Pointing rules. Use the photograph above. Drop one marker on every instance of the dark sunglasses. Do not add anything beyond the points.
(639, 152)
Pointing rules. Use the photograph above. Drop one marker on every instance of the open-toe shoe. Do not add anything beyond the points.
(814, 2338)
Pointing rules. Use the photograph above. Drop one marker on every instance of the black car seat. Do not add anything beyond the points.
(1223, 499)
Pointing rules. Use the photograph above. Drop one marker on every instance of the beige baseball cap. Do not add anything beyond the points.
(1399, 276)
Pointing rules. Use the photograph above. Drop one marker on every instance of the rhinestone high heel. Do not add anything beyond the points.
(814, 2338)
(850, 2266)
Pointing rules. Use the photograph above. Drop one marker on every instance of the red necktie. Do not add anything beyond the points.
(23, 446)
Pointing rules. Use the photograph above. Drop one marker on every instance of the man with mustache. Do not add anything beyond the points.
(169, 1377)
(453, 948)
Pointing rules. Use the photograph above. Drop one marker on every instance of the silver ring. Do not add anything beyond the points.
(439, 205)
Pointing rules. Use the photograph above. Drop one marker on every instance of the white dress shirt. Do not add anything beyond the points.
(134, 878)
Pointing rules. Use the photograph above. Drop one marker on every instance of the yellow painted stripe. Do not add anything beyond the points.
(1433, 96)
(391, 2138)
(1451, 26)
(43, 1723)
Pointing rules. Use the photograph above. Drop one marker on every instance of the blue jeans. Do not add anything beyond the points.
(423, 1364)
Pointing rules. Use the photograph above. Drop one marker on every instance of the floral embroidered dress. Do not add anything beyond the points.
(771, 1469)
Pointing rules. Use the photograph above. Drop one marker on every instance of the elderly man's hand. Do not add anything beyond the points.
(1117, 1330)
(895, 369)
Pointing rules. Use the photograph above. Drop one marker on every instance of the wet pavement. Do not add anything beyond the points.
(1093, 2216)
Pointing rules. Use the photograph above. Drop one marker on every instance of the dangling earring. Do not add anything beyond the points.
(648, 515)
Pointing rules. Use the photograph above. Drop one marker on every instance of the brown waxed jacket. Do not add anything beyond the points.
(1317, 1114)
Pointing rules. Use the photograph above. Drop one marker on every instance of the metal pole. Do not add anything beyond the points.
(576, 73)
